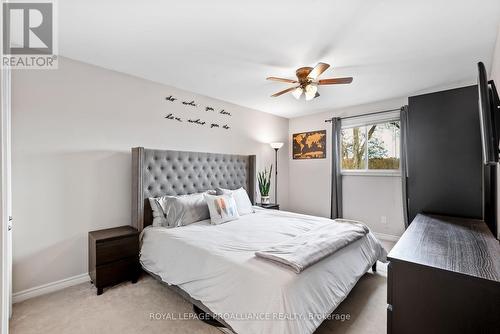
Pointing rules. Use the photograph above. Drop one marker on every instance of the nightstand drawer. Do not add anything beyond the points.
(118, 249)
(117, 272)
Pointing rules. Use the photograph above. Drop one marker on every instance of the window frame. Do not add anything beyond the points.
(365, 121)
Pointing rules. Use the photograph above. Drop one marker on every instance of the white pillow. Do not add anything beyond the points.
(241, 198)
(222, 208)
(174, 211)
(159, 217)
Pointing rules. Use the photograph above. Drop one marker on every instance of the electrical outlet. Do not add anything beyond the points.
(383, 220)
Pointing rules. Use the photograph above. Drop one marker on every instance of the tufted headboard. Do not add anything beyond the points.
(161, 172)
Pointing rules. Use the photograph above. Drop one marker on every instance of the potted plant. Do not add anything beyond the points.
(264, 179)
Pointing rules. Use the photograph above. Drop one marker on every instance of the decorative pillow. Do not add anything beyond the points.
(241, 198)
(222, 208)
(174, 211)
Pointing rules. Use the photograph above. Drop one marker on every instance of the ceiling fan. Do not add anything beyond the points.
(307, 80)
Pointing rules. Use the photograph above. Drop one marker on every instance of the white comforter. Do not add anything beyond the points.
(216, 265)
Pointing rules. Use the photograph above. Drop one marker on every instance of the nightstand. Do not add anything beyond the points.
(113, 256)
(272, 206)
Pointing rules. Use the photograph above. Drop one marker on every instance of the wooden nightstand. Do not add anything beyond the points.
(113, 256)
(272, 206)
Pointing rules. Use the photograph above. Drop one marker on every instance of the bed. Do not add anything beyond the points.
(214, 266)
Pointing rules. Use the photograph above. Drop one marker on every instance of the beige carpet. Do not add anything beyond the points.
(126, 309)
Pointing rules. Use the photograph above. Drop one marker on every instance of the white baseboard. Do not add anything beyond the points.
(386, 237)
(49, 287)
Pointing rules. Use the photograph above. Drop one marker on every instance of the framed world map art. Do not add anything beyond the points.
(309, 145)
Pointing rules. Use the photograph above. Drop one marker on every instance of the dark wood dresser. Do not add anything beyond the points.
(113, 256)
(444, 277)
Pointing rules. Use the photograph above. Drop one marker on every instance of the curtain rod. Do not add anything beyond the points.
(362, 115)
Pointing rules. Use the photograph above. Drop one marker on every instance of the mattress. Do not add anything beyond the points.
(216, 265)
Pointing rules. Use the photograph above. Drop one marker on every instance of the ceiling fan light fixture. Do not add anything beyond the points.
(308, 82)
(297, 93)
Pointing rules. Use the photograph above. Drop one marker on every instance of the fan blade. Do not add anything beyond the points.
(335, 81)
(281, 80)
(284, 91)
(317, 70)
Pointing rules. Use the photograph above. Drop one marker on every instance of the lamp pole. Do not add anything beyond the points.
(276, 147)
(276, 175)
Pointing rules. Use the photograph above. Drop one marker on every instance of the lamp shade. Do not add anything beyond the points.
(310, 92)
(276, 146)
(297, 93)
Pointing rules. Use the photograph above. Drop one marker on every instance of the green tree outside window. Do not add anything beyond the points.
(376, 145)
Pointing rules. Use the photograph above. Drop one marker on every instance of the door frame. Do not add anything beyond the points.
(5, 199)
(5, 195)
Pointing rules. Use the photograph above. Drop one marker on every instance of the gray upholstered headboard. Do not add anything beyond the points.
(161, 172)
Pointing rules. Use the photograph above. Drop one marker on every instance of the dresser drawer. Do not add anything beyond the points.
(114, 250)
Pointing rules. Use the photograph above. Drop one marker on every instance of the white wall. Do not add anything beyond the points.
(72, 133)
(365, 198)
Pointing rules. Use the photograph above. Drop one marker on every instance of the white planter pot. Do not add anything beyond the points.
(265, 199)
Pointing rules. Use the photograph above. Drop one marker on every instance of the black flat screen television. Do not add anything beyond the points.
(489, 118)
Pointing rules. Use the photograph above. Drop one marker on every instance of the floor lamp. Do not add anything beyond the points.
(276, 147)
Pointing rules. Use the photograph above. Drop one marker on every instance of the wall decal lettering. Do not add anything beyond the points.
(196, 121)
(170, 98)
(192, 104)
(171, 116)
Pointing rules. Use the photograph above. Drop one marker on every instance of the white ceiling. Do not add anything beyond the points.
(225, 49)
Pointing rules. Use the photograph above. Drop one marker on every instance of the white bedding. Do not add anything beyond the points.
(216, 265)
(310, 247)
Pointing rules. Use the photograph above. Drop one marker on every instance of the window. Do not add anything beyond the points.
(371, 147)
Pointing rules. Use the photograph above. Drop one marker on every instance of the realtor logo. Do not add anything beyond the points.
(28, 35)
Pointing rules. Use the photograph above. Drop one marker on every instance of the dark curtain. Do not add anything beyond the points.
(404, 161)
(336, 206)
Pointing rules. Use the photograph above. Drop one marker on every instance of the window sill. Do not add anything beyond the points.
(371, 173)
